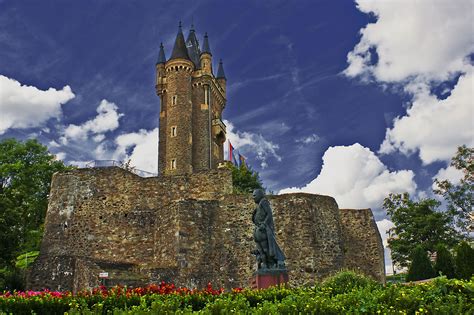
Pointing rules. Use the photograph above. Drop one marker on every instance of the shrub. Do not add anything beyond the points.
(464, 261)
(420, 267)
(346, 281)
(444, 264)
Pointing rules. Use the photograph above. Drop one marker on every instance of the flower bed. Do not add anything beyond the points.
(344, 293)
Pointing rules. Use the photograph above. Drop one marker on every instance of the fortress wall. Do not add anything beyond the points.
(309, 232)
(112, 215)
(363, 244)
(189, 230)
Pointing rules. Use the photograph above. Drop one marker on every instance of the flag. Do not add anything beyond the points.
(242, 160)
(231, 152)
(231, 155)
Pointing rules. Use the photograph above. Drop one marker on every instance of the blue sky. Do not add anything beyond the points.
(353, 99)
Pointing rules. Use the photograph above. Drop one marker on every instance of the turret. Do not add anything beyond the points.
(221, 79)
(192, 45)
(160, 71)
(175, 150)
(206, 57)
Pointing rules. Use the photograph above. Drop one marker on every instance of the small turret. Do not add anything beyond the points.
(160, 71)
(206, 56)
(192, 45)
(205, 45)
(179, 50)
(161, 55)
(221, 75)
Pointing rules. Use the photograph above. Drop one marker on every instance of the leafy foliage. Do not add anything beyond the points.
(464, 260)
(346, 281)
(26, 169)
(244, 179)
(417, 223)
(355, 296)
(420, 267)
(444, 264)
(460, 197)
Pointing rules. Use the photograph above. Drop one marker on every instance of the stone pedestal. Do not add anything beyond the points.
(266, 278)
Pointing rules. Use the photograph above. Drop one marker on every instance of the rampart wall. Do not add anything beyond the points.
(190, 230)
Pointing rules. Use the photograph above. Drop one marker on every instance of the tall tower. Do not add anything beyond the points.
(192, 134)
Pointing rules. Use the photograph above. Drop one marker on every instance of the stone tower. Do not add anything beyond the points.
(191, 133)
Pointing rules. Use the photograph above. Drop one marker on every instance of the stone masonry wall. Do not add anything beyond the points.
(362, 243)
(189, 229)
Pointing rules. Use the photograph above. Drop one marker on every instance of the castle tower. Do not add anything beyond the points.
(191, 131)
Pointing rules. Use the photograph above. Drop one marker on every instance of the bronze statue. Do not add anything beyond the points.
(268, 253)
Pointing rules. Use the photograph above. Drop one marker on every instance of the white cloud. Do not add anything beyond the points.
(252, 144)
(419, 45)
(53, 144)
(449, 173)
(435, 127)
(356, 178)
(309, 139)
(427, 38)
(107, 119)
(383, 226)
(26, 106)
(141, 148)
(60, 156)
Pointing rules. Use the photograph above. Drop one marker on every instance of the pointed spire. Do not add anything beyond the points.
(193, 47)
(220, 71)
(205, 45)
(179, 49)
(161, 55)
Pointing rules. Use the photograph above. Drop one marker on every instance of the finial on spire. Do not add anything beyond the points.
(179, 49)
(161, 55)
(205, 45)
(220, 71)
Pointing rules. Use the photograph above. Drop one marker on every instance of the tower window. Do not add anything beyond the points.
(174, 100)
(174, 131)
(173, 164)
(206, 95)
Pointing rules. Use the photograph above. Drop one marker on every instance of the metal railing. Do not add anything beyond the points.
(109, 163)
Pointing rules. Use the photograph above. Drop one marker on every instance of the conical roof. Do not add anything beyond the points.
(205, 45)
(161, 55)
(179, 49)
(220, 71)
(192, 45)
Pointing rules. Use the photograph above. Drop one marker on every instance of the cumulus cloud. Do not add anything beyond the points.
(141, 148)
(250, 143)
(435, 127)
(449, 173)
(356, 178)
(25, 106)
(107, 119)
(427, 38)
(383, 226)
(419, 45)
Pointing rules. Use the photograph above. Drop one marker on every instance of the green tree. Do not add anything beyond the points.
(464, 261)
(460, 197)
(416, 223)
(420, 267)
(244, 179)
(444, 264)
(26, 169)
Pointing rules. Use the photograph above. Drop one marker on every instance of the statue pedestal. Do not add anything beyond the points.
(265, 278)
